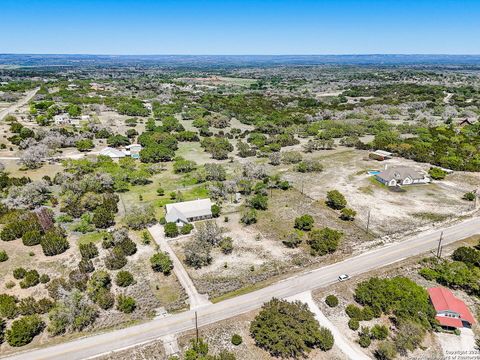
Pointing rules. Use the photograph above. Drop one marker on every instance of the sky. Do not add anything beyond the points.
(247, 27)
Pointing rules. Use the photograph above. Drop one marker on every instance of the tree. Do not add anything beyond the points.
(8, 306)
(171, 229)
(304, 222)
(293, 240)
(385, 351)
(33, 156)
(84, 145)
(88, 250)
(468, 255)
(379, 332)
(139, 217)
(364, 337)
(161, 262)
(469, 196)
(226, 245)
(258, 202)
(249, 217)
(286, 329)
(324, 241)
(3, 256)
(215, 210)
(236, 339)
(336, 200)
(115, 259)
(154, 153)
(198, 254)
(409, 336)
(54, 242)
(23, 331)
(103, 218)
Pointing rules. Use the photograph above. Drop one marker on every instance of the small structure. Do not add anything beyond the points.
(451, 311)
(402, 175)
(380, 155)
(61, 119)
(184, 212)
(133, 150)
(112, 153)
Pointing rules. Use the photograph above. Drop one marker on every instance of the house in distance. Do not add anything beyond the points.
(402, 175)
(182, 213)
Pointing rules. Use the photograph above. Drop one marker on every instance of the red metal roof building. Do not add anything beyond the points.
(451, 312)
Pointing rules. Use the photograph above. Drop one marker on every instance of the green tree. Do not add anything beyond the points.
(124, 279)
(331, 300)
(324, 241)
(23, 331)
(336, 200)
(161, 262)
(304, 222)
(171, 229)
(126, 304)
(84, 145)
(437, 173)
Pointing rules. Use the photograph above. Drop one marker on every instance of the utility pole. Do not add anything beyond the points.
(368, 221)
(439, 244)
(196, 326)
(475, 199)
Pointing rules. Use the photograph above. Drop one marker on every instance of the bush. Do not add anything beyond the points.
(88, 251)
(31, 238)
(215, 210)
(348, 214)
(258, 202)
(293, 240)
(336, 200)
(364, 340)
(437, 173)
(354, 312)
(367, 313)
(124, 279)
(3, 256)
(468, 255)
(386, 351)
(44, 278)
(8, 306)
(19, 273)
(236, 339)
(103, 218)
(23, 331)
(249, 217)
(379, 332)
(126, 304)
(54, 242)
(226, 245)
(353, 324)
(331, 300)
(115, 259)
(469, 196)
(286, 329)
(32, 278)
(171, 230)
(304, 222)
(409, 336)
(324, 241)
(197, 254)
(186, 229)
(104, 299)
(161, 262)
(86, 266)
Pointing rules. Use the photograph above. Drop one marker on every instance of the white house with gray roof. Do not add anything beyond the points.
(184, 212)
(402, 175)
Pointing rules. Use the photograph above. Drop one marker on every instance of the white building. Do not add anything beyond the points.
(112, 153)
(184, 212)
(61, 119)
(402, 175)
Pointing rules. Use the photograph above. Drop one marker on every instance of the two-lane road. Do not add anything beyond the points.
(95, 345)
(12, 108)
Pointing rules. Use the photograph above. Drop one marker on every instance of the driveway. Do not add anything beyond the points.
(459, 347)
(195, 299)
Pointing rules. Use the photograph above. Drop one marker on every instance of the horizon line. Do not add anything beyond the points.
(344, 54)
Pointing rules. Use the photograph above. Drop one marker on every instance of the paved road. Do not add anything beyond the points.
(11, 109)
(95, 345)
(195, 299)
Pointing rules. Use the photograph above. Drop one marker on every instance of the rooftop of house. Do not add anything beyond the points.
(443, 300)
(400, 172)
(189, 209)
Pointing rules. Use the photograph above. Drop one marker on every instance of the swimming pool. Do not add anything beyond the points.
(373, 172)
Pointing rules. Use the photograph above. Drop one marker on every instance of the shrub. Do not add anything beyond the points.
(54, 242)
(8, 306)
(364, 337)
(88, 251)
(348, 214)
(468, 255)
(354, 312)
(103, 217)
(126, 304)
(409, 337)
(23, 331)
(115, 259)
(236, 339)
(161, 262)
(379, 332)
(127, 245)
(386, 351)
(104, 299)
(324, 241)
(124, 279)
(331, 300)
(286, 329)
(304, 222)
(19, 273)
(249, 217)
(336, 200)
(160, 191)
(3, 256)
(9, 284)
(353, 324)
(437, 173)
(186, 229)
(31, 238)
(293, 240)
(307, 166)
(469, 196)
(86, 266)
(44, 278)
(367, 313)
(32, 278)
(197, 254)
(171, 230)
(215, 210)
(226, 245)
(258, 202)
